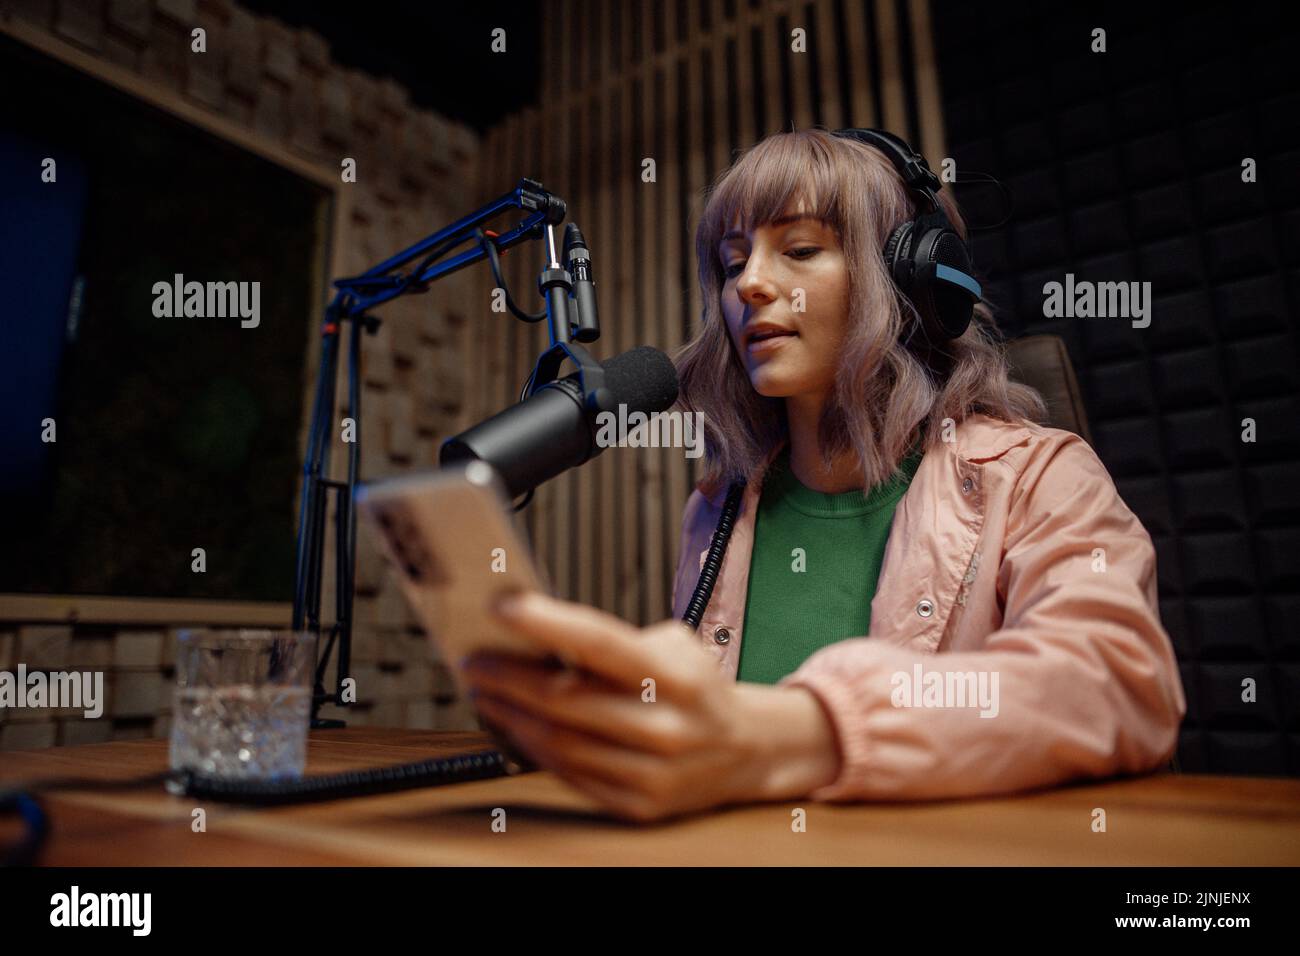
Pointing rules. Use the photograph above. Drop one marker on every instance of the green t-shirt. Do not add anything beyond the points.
(813, 574)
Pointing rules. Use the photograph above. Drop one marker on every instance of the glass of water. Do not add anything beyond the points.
(242, 702)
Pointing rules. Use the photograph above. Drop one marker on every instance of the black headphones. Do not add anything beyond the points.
(927, 260)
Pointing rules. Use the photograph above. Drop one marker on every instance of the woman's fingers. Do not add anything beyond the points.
(581, 702)
(591, 639)
(622, 803)
(570, 752)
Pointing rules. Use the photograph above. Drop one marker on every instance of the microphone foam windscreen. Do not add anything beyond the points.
(643, 378)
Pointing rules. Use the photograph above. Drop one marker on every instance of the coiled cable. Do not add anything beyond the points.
(480, 765)
(713, 562)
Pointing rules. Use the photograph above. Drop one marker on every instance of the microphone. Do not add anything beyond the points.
(552, 430)
(578, 259)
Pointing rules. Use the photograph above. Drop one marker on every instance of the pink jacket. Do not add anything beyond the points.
(1010, 554)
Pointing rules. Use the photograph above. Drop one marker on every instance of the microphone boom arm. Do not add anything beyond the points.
(378, 285)
(354, 297)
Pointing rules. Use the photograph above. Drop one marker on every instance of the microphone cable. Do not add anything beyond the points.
(438, 771)
(494, 258)
(713, 563)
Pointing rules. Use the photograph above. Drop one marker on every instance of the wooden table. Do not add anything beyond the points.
(1160, 820)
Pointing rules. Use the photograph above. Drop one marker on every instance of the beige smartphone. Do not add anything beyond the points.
(451, 537)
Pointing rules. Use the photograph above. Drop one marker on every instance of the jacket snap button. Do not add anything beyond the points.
(721, 635)
(966, 486)
(924, 608)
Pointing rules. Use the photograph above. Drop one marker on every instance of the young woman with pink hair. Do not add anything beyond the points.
(924, 593)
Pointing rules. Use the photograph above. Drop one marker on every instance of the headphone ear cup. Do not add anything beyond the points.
(900, 258)
(911, 254)
(949, 308)
(897, 248)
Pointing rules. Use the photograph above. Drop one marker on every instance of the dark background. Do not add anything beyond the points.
(421, 44)
(152, 414)
(1126, 166)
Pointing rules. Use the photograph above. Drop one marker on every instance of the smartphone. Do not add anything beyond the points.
(451, 536)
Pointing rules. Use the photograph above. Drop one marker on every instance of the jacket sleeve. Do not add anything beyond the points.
(1087, 681)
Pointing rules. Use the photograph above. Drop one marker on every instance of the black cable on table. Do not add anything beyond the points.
(439, 771)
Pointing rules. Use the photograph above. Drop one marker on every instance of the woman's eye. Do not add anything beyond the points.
(802, 253)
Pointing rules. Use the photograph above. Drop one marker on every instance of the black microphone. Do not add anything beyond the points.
(552, 431)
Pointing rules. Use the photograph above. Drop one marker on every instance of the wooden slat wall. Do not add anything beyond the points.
(620, 198)
(607, 533)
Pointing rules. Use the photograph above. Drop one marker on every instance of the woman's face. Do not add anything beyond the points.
(788, 275)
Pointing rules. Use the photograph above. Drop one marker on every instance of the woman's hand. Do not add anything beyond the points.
(642, 720)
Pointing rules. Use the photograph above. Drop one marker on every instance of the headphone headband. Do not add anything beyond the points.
(911, 165)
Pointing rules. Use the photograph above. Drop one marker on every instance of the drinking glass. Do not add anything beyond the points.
(242, 702)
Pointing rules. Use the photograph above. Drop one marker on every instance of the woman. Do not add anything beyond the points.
(924, 594)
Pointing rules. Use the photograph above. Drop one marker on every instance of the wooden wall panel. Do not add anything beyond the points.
(800, 65)
(828, 66)
(619, 183)
(862, 110)
(890, 52)
(930, 137)
(672, 244)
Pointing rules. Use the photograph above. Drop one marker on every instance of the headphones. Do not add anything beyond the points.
(928, 261)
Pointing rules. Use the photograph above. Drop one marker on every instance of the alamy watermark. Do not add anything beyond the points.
(1101, 300)
(78, 690)
(75, 908)
(946, 689)
(673, 429)
(208, 300)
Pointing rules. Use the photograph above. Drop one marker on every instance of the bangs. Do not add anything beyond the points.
(769, 181)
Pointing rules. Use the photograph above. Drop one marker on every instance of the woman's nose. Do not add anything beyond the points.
(755, 283)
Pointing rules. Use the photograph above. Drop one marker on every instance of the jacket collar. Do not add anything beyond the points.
(978, 439)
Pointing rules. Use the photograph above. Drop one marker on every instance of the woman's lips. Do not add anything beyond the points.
(762, 346)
